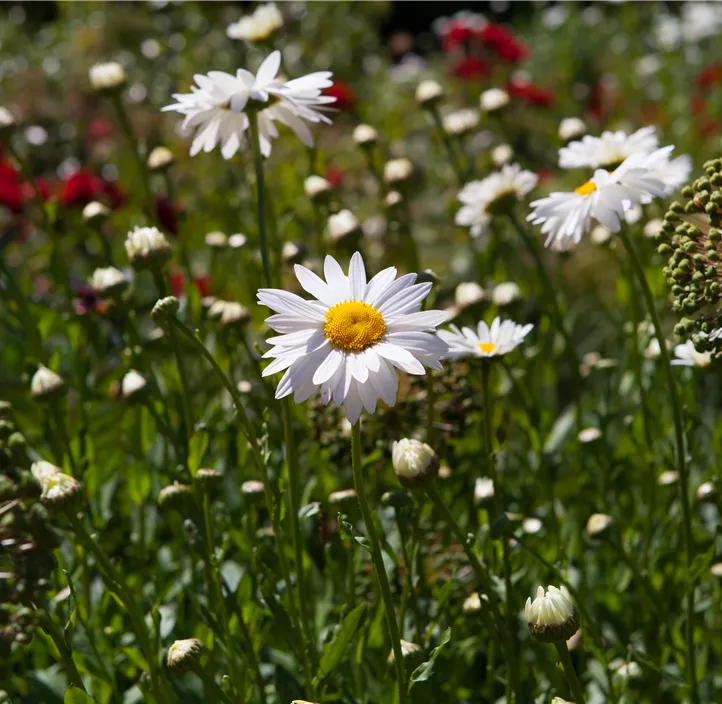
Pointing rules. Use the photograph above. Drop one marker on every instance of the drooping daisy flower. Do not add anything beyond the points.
(260, 25)
(488, 341)
(565, 217)
(218, 106)
(350, 339)
(492, 196)
(687, 356)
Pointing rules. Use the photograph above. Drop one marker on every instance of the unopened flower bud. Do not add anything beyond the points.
(398, 171)
(393, 199)
(7, 121)
(132, 384)
(174, 496)
(597, 524)
(570, 128)
(58, 490)
(253, 489)
(209, 478)
(587, 435)
(468, 293)
(707, 491)
(412, 654)
(185, 655)
(234, 315)
(216, 240)
(493, 99)
(414, 462)
(291, 252)
(461, 122)
(501, 154)
(472, 603)
(668, 478)
(429, 93)
(317, 188)
(107, 76)
(46, 385)
(147, 247)
(365, 136)
(343, 498)
(343, 224)
(505, 294)
(483, 491)
(237, 240)
(108, 281)
(160, 158)
(95, 212)
(164, 309)
(552, 616)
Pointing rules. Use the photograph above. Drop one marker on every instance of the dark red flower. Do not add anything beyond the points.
(528, 92)
(11, 192)
(334, 176)
(506, 45)
(99, 128)
(113, 194)
(167, 215)
(697, 105)
(471, 67)
(709, 76)
(203, 284)
(81, 188)
(88, 301)
(177, 282)
(41, 186)
(456, 34)
(344, 94)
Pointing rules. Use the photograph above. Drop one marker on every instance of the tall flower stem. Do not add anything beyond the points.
(378, 560)
(260, 198)
(680, 452)
(59, 418)
(571, 675)
(448, 145)
(66, 655)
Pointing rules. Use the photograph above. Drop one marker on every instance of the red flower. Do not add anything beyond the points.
(457, 33)
(334, 176)
(167, 215)
(177, 282)
(344, 94)
(81, 188)
(508, 48)
(11, 192)
(99, 128)
(203, 284)
(697, 105)
(470, 67)
(534, 95)
(41, 186)
(709, 76)
(114, 194)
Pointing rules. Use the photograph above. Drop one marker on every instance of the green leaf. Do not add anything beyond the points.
(348, 532)
(700, 565)
(559, 432)
(197, 449)
(75, 695)
(426, 669)
(70, 625)
(336, 650)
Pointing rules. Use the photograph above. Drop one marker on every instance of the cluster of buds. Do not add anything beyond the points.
(691, 236)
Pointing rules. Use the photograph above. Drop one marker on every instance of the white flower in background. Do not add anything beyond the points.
(260, 25)
(587, 435)
(552, 616)
(317, 187)
(107, 76)
(234, 314)
(597, 524)
(429, 92)
(687, 356)
(493, 195)
(147, 247)
(46, 384)
(398, 170)
(108, 281)
(59, 491)
(487, 341)
(571, 127)
(501, 155)
(237, 240)
(290, 251)
(132, 384)
(493, 99)
(364, 135)
(414, 462)
(216, 239)
(95, 212)
(342, 224)
(653, 228)
(160, 158)
(468, 293)
(352, 337)
(7, 121)
(607, 150)
(217, 106)
(461, 122)
(566, 217)
(505, 293)
(483, 491)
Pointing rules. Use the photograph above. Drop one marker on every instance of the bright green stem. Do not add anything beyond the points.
(453, 159)
(681, 459)
(66, 655)
(572, 679)
(378, 560)
(260, 198)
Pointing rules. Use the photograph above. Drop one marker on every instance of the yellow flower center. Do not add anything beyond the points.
(487, 347)
(586, 188)
(353, 326)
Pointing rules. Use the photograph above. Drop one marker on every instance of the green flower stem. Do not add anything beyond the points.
(250, 434)
(680, 451)
(127, 128)
(59, 419)
(260, 198)
(66, 655)
(408, 592)
(26, 318)
(572, 679)
(378, 560)
(448, 145)
(494, 625)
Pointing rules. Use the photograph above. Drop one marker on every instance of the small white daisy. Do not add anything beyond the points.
(350, 339)
(217, 106)
(607, 150)
(501, 337)
(687, 356)
(493, 195)
(565, 217)
(260, 25)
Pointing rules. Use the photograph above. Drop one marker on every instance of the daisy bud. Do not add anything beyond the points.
(317, 188)
(668, 478)
(396, 499)
(468, 293)
(343, 498)
(461, 122)
(215, 310)
(398, 171)
(505, 294)
(598, 524)
(588, 435)
(164, 309)
(7, 121)
(393, 199)
(291, 252)
(108, 281)
(237, 240)
(46, 385)
(501, 155)
(365, 136)
(570, 128)
(532, 525)
(414, 462)
(107, 76)
(259, 26)
(6, 409)
(559, 700)
(552, 616)
(472, 603)
(653, 228)
(234, 315)
(429, 93)
(132, 385)
(95, 213)
(626, 670)
(343, 224)
(716, 569)
(209, 478)
(412, 654)
(483, 491)
(706, 491)
(216, 240)
(160, 158)
(147, 247)
(174, 496)
(185, 655)
(493, 99)
(253, 489)
(58, 490)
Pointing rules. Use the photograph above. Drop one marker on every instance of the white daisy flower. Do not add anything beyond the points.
(501, 337)
(493, 195)
(565, 217)
(260, 25)
(687, 356)
(217, 106)
(607, 150)
(461, 122)
(350, 339)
